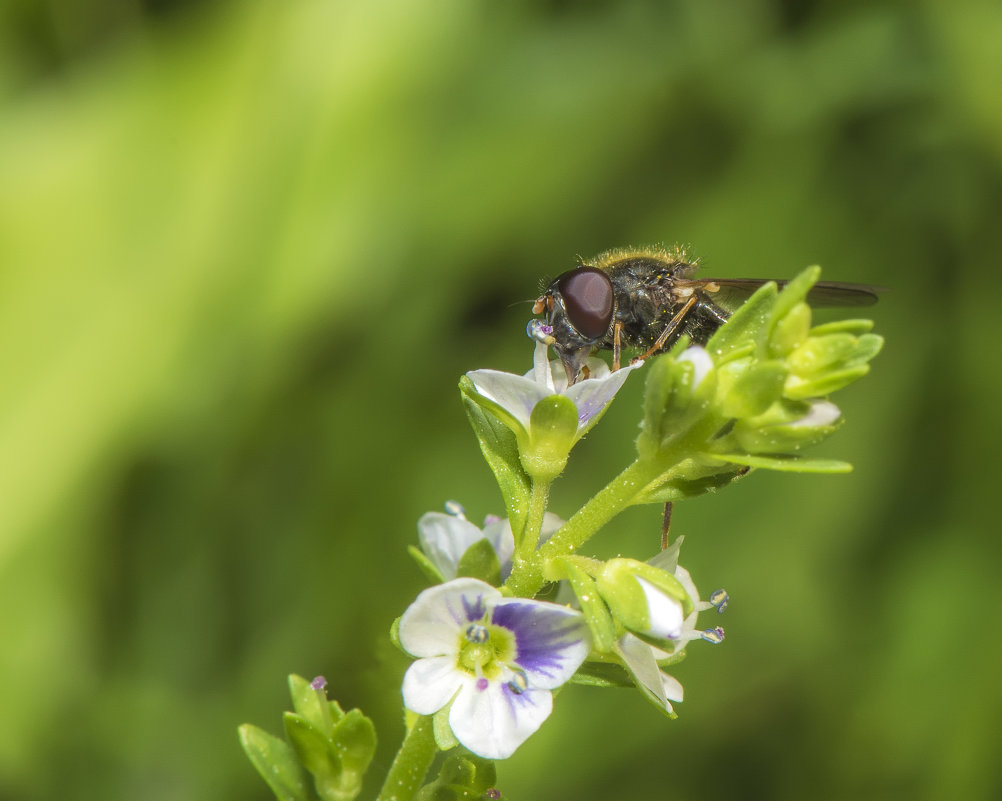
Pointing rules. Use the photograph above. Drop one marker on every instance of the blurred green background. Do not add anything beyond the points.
(246, 251)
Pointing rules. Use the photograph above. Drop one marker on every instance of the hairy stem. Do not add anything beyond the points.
(411, 763)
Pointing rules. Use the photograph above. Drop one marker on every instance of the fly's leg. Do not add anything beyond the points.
(672, 326)
(617, 345)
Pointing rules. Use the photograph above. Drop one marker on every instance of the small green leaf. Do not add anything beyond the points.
(309, 704)
(826, 384)
(275, 760)
(354, 740)
(787, 464)
(480, 561)
(500, 449)
(746, 324)
(463, 777)
(679, 489)
(790, 331)
(755, 390)
(854, 327)
(602, 674)
(794, 293)
(820, 353)
(869, 345)
(395, 635)
(444, 738)
(671, 406)
(313, 749)
(425, 565)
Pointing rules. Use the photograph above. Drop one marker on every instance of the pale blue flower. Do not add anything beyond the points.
(494, 659)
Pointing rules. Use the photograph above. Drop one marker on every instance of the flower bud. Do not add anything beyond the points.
(646, 600)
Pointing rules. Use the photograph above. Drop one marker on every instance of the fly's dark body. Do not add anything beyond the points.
(646, 299)
(649, 292)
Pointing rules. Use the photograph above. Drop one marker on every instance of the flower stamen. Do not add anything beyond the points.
(719, 599)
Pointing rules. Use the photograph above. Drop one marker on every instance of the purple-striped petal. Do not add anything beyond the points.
(516, 394)
(551, 641)
(432, 625)
(492, 720)
(592, 395)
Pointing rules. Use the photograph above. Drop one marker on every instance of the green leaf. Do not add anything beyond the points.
(826, 384)
(869, 346)
(395, 636)
(678, 489)
(314, 751)
(444, 738)
(755, 390)
(354, 740)
(500, 449)
(787, 464)
(671, 406)
(480, 561)
(794, 293)
(745, 324)
(310, 703)
(820, 353)
(463, 777)
(602, 674)
(275, 760)
(425, 565)
(854, 327)
(791, 331)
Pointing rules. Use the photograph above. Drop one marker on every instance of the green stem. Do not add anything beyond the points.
(527, 575)
(525, 559)
(411, 762)
(609, 502)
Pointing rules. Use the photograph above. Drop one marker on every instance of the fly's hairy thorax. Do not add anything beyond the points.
(648, 298)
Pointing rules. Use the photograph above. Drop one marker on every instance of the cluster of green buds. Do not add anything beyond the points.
(327, 753)
(514, 610)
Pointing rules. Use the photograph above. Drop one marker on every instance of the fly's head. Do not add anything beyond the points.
(579, 306)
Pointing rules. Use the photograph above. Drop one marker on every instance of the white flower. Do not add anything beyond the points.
(495, 659)
(445, 538)
(519, 394)
(641, 659)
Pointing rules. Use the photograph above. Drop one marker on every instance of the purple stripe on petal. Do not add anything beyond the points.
(541, 635)
(474, 610)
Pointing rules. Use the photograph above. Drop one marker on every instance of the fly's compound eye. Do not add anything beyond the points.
(588, 299)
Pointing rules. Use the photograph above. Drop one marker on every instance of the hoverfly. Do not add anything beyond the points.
(646, 298)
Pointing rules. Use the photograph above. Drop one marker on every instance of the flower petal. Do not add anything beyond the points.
(500, 536)
(592, 395)
(701, 363)
(514, 393)
(435, 622)
(821, 413)
(492, 720)
(665, 612)
(445, 538)
(639, 660)
(542, 371)
(673, 688)
(430, 683)
(551, 641)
